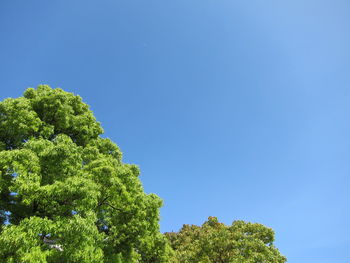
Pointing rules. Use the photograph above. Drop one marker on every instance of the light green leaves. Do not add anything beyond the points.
(18, 122)
(65, 112)
(65, 194)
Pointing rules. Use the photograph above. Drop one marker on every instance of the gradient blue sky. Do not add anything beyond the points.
(232, 108)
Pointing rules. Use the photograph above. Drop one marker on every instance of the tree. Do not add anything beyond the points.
(215, 242)
(65, 194)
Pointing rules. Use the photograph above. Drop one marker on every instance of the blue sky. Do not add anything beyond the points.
(235, 109)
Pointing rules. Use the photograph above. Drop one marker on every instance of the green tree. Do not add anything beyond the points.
(215, 242)
(65, 194)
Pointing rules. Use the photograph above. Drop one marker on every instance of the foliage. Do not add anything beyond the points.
(215, 242)
(65, 195)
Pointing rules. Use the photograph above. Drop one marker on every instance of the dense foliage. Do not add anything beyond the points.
(65, 195)
(215, 242)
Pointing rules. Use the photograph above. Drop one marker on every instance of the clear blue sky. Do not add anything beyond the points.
(232, 108)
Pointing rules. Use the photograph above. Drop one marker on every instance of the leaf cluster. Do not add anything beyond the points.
(214, 242)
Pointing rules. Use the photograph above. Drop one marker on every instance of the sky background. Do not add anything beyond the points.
(232, 108)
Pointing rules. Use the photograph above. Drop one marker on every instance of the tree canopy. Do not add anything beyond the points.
(65, 194)
(67, 197)
(214, 242)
